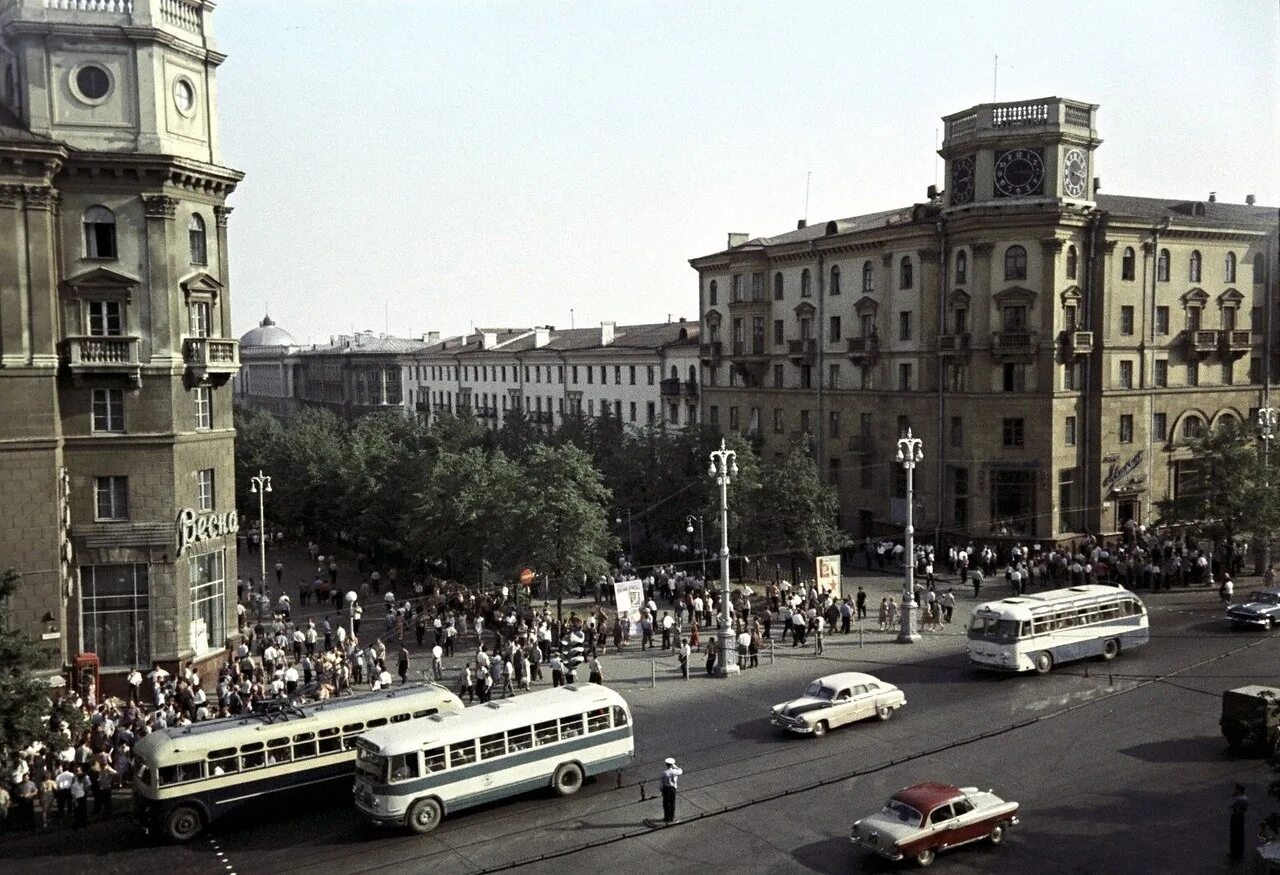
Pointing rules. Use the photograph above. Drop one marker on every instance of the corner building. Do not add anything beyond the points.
(1054, 347)
(115, 330)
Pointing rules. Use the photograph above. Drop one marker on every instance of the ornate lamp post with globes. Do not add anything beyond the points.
(1267, 420)
(910, 452)
(724, 465)
(702, 541)
(260, 484)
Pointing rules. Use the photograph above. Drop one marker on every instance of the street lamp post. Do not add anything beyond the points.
(1267, 420)
(724, 465)
(909, 453)
(631, 544)
(702, 541)
(260, 484)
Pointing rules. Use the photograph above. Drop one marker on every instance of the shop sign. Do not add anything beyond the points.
(193, 528)
(1118, 472)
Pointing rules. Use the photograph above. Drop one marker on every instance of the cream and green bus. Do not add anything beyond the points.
(414, 774)
(186, 777)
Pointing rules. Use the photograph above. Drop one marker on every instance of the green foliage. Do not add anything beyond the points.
(797, 512)
(562, 520)
(23, 698)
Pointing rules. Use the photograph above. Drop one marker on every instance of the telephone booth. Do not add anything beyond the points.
(84, 675)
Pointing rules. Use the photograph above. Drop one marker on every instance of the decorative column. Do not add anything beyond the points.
(909, 453)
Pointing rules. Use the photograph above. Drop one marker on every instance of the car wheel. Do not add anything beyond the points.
(998, 833)
(567, 779)
(183, 823)
(820, 729)
(924, 858)
(424, 815)
(1110, 649)
(1044, 662)
(884, 712)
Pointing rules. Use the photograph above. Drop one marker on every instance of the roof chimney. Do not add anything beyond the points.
(541, 336)
(1097, 184)
(931, 192)
(1250, 199)
(800, 223)
(431, 337)
(606, 332)
(1213, 197)
(737, 238)
(488, 339)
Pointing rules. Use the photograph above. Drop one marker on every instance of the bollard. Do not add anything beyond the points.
(860, 644)
(619, 787)
(653, 670)
(771, 653)
(642, 796)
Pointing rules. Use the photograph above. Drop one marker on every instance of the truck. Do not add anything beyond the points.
(1251, 719)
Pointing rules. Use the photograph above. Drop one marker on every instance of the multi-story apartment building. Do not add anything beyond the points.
(116, 475)
(639, 374)
(1054, 347)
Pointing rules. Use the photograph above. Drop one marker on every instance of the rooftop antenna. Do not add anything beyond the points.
(386, 316)
(995, 77)
(936, 144)
(808, 177)
(571, 317)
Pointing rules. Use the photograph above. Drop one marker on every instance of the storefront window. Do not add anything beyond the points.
(116, 608)
(208, 602)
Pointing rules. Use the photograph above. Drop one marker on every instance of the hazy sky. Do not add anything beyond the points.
(430, 166)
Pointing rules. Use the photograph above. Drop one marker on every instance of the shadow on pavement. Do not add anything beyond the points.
(831, 856)
(1202, 749)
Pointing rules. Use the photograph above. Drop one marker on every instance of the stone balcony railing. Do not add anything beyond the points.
(864, 347)
(184, 16)
(1020, 343)
(806, 348)
(711, 350)
(1078, 342)
(953, 344)
(1235, 341)
(673, 387)
(99, 356)
(211, 358)
(753, 348)
(1202, 341)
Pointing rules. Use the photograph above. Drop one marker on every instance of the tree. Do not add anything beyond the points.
(23, 698)
(386, 464)
(797, 512)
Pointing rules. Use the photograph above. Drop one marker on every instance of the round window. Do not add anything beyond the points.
(93, 82)
(184, 95)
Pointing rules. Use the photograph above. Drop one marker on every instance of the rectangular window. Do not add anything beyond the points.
(1126, 428)
(737, 287)
(779, 335)
(205, 498)
(864, 474)
(604, 375)
(1126, 375)
(200, 315)
(1161, 375)
(1071, 376)
(117, 615)
(1228, 372)
(806, 376)
(733, 419)
(463, 753)
(208, 602)
(833, 472)
(1066, 499)
(957, 431)
(547, 732)
(904, 325)
(112, 498)
(777, 420)
(904, 377)
(573, 373)
(203, 397)
(108, 410)
(805, 424)
(105, 319)
(833, 376)
(520, 739)
(633, 411)
(1014, 377)
(777, 376)
(833, 335)
(1162, 320)
(1159, 426)
(757, 287)
(833, 423)
(1069, 432)
(649, 371)
(617, 375)
(598, 720)
(1126, 320)
(1012, 432)
(631, 374)
(492, 746)
(713, 414)
(1193, 373)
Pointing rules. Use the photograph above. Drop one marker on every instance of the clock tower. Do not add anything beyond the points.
(1031, 151)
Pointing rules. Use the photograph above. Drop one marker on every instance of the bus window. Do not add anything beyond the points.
(462, 753)
(619, 716)
(376, 722)
(598, 720)
(252, 756)
(1025, 631)
(330, 741)
(493, 746)
(404, 766)
(427, 712)
(181, 773)
(304, 745)
(520, 739)
(571, 727)
(434, 760)
(399, 718)
(277, 751)
(546, 733)
(353, 727)
(223, 761)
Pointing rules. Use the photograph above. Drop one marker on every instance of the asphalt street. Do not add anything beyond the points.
(1119, 767)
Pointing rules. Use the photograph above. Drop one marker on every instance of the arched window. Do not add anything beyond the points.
(777, 286)
(1193, 268)
(1162, 266)
(195, 237)
(868, 278)
(1229, 269)
(1259, 268)
(1072, 262)
(1226, 422)
(1015, 263)
(99, 233)
(1127, 264)
(675, 372)
(835, 280)
(1192, 427)
(905, 276)
(804, 283)
(962, 268)
(693, 375)
(712, 294)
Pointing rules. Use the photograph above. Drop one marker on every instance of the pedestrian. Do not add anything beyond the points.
(595, 672)
(80, 798)
(402, 666)
(1239, 805)
(670, 779)
(711, 657)
(437, 662)
(684, 656)
(1227, 589)
(861, 604)
(467, 686)
(557, 670)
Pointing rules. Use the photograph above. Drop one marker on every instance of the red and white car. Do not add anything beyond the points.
(921, 820)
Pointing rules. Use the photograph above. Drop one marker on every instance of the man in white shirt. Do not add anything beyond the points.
(437, 662)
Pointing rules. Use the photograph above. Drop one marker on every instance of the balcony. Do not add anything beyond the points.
(1013, 344)
(865, 348)
(1202, 341)
(802, 350)
(711, 351)
(953, 344)
(676, 388)
(752, 349)
(860, 444)
(211, 359)
(750, 306)
(1078, 342)
(104, 357)
(1235, 341)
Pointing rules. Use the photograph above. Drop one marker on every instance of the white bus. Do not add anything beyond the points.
(186, 777)
(1037, 631)
(414, 774)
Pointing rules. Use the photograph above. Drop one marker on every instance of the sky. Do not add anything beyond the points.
(431, 166)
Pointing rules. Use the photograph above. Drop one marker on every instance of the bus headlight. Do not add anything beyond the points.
(1004, 657)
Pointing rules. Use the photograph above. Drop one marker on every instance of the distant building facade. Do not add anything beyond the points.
(116, 440)
(1055, 348)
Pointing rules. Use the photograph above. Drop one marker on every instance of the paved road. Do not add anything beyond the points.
(1119, 767)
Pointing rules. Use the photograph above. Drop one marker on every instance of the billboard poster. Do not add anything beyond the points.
(829, 575)
(629, 595)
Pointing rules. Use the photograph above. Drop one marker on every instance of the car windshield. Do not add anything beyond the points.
(902, 812)
(1268, 598)
(818, 691)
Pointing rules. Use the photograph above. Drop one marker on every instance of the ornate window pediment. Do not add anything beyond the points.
(866, 304)
(101, 281)
(201, 286)
(805, 309)
(958, 298)
(1071, 295)
(1014, 295)
(1230, 298)
(1197, 297)
(713, 317)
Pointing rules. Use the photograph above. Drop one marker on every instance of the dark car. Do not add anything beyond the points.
(1262, 610)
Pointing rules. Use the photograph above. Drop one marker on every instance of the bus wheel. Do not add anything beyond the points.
(1044, 662)
(424, 815)
(567, 779)
(183, 823)
(1110, 649)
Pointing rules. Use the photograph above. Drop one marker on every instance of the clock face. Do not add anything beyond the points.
(1074, 172)
(184, 95)
(1019, 172)
(962, 180)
